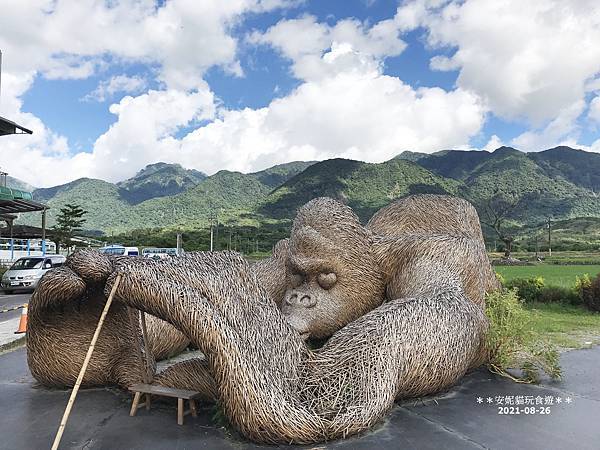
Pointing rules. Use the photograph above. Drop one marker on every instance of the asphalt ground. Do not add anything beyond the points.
(8, 301)
(481, 412)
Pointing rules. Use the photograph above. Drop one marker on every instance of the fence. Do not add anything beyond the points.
(13, 249)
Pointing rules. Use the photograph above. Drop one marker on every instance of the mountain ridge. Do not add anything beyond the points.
(110, 211)
(561, 183)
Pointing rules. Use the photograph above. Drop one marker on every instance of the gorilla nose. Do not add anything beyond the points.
(305, 300)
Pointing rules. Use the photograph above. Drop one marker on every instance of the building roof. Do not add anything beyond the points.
(10, 127)
(25, 232)
(20, 205)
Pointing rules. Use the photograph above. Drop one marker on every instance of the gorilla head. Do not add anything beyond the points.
(333, 277)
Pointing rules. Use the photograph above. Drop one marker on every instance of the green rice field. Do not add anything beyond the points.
(553, 274)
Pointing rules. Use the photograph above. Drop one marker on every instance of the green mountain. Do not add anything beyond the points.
(411, 156)
(456, 164)
(107, 210)
(232, 195)
(365, 187)
(582, 233)
(561, 183)
(558, 183)
(577, 166)
(158, 180)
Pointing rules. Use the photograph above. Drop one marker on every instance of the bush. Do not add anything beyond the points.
(589, 291)
(511, 343)
(582, 283)
(533, 289)
(529, 289)
(501, 279)
(558, 294)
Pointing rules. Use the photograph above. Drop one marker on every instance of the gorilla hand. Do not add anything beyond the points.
(84, 269)
(92, 266)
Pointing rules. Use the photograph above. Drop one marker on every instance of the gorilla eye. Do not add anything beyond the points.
(327, 280)
(296, 279)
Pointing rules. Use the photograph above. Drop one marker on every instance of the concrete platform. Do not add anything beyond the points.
(30, 415)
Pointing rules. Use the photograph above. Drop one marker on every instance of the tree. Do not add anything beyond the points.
(68, 222)
(495, 211)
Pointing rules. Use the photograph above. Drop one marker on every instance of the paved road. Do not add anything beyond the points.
(454, 420)
(10, 301)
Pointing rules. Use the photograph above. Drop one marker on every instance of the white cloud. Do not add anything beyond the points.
(305, 41)
(116, 84)
(67, 39)
(509, 57)
(443, 63)
(528, 59)
(354, 112)
(141, 135)
(594, 111)
(360, 114)
(494, 143)
(563, 130)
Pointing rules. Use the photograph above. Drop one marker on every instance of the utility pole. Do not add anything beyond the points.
(179, 246)
(213, 219)
(217, 232)
(549, 237)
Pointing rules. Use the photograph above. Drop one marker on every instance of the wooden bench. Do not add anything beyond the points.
(150, 389)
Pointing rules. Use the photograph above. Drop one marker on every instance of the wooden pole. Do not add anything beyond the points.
(146, 348)
(86, 361)
(134, 320)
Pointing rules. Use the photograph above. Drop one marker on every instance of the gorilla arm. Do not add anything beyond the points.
(253, 354)
(404, 348)
(417, 263)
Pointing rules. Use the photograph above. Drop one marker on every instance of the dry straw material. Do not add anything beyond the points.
(399, 303)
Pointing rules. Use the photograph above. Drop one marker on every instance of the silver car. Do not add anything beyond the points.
(26, 272)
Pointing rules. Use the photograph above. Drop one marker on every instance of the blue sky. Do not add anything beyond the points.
(213, 86)
(59, 102)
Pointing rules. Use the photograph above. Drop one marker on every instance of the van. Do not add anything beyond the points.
(160, 253)
(25, 273)
(119, 250)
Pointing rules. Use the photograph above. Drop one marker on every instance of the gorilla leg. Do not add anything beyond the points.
(62, 320)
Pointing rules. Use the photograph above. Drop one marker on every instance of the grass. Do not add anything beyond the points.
(557, 275)
(562, 257)
(6, 348)
(565, 326)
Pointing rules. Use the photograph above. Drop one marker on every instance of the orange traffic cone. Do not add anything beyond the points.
(23, 321)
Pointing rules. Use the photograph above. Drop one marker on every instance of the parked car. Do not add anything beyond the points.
(26, 272)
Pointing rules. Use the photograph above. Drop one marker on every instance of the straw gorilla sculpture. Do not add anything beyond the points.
(401, 301)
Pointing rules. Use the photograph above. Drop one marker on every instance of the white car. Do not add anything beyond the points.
(26, 272)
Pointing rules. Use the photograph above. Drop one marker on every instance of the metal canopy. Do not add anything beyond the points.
(9, 127)
(18, 206)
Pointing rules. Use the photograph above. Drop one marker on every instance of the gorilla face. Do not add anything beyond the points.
(312, 302)
(329, 284)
